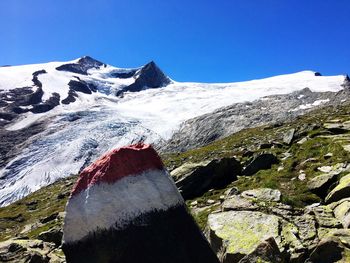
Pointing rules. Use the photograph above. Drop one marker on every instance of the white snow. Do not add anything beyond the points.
(103, 205)
(101, 121)
(310, 105)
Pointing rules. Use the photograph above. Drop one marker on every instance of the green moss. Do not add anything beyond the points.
(34, 207)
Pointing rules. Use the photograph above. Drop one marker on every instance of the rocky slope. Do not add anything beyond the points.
(209, 127)
(286, 185)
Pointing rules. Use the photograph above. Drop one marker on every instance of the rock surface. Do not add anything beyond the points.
(239, 233)
(263, 194)
(267, 252)
(125, 208)
(207, 128)
(261, 162)
(342, 190)
(194, 179)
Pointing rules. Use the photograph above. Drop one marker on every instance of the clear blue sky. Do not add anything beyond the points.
(193, 40)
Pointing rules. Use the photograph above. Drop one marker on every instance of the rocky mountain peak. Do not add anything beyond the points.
(346, 83)
(81, 66)
(89, 61)
(149, 76)
(152, 76)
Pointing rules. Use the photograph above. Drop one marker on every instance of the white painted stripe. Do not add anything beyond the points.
(104, 205)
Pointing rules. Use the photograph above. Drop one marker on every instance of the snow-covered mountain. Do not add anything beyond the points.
(55, 118)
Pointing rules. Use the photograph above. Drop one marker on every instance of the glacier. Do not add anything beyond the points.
(77, 133)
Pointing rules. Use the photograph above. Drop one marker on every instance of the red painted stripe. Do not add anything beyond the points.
(118, 163)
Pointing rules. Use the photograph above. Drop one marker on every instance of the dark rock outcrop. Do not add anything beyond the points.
(53, 235)
(193, 180)
(124, 74)
(149, 76)
(261, 162)
(82, 66)
(267, 251)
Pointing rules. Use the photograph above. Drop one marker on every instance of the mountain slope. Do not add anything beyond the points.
(41, 211)
(56, 118)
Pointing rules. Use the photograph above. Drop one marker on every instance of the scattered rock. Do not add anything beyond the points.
(337, 128)
(28, 251)
(328, 155)
(210, 201)
(239, 233)
(263, 194)
(49, 218)
(342, 212)
(303, 140)
(267, 251)
(265, 146)
(237, 202)
(53, 235)
(289, 136)
(320, 185)
(261, 162)
(194, 179)
(232, 191)
(328, 250)
(32, 205)
(194, 203)
(325, 217)
(302, 176)
(325, 169)
(342, 190)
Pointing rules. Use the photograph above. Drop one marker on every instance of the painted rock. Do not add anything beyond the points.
(126, 208)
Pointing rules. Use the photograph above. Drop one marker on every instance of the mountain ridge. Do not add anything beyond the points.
(55, 122)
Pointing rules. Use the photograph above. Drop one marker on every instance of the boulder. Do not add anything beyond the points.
(320, 184)
(333, 247)
(342, 190)
(33, 251)
(289, 136)
(194, 179)
(328, 250)
(237, 202)
(267, 251)
(261, 162)
(263, 194)
(342, 212)
(125, 208)
(53, 235)
(239, 233)
(325, 217)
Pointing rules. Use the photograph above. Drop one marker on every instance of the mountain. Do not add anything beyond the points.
(55, 118)
(299, 200)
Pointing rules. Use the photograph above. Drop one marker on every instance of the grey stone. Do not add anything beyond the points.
(53, 235)
(267, 251)
(263, 194)
(261, 162)
(289, 136)
(342, 190)
(321, 184)
(194, 179)
(237, 202)
(239, 233)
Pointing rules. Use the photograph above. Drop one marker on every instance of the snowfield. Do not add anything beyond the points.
(79, 132)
